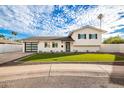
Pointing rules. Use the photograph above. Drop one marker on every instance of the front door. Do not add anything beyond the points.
(67, 46)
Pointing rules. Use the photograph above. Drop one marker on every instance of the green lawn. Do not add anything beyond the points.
(63, 57)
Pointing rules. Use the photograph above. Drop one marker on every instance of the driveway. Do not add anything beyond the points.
(62, 75)
(7, 57)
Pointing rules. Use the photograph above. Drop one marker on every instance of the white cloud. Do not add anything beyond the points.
(109, 20)
(107, 35)
(26, 19)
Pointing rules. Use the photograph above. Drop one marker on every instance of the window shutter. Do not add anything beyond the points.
(78, 36)
(44, 44)
(52, 44)
(89, 36)
(96, 36)
(85, 36)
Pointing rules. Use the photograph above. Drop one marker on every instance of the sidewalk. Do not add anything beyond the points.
(60, 74)
(93, 70)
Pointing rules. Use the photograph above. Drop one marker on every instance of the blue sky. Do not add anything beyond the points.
(59, 20)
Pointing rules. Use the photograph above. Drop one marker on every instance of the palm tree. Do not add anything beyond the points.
(9, 38)
(100, 16)
(14, 33)
(2, 36)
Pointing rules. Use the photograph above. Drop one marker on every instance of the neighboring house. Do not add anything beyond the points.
(9, 46)
(85, 39)
(4, 41)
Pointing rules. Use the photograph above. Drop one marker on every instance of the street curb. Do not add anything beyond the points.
(22, 63)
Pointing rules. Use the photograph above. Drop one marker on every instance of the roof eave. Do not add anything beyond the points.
(103, 31)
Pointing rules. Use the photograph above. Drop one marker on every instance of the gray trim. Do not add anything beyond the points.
(36, 39)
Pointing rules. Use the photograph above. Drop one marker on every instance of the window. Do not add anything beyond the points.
(92, 36)
(61, 45)
(54, 45)
(81, 36)
(46, 44)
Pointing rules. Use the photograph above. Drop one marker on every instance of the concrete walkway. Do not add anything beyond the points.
(62, 75)
(7, 57)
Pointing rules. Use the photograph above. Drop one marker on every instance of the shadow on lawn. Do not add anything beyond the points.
(48, 55)
(41, 56)
(34, 57)
(55, 56)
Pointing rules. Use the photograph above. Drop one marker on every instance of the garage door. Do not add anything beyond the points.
(31, 47)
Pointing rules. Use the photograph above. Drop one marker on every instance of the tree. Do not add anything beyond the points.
(100, 16)
(14, 34)
(9, 38)
(2, 36)
(114, 40)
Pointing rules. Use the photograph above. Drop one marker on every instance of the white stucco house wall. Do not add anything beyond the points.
(85, 39)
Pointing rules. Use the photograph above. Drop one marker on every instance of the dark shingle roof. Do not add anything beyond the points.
(48, 38)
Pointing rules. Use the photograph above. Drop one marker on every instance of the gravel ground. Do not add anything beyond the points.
(62, 82)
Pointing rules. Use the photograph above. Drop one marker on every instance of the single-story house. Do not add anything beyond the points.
(85, 39)
(9, 46)
(5, 41)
